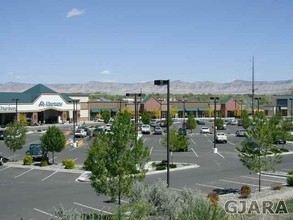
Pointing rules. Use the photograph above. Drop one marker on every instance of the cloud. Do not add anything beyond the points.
(105, 72)
(75, 12)
(14, 75)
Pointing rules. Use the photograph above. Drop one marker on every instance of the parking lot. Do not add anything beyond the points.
(33, 192)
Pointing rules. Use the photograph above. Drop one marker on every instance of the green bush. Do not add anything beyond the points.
(160, 168)
(173, 165)
(290, 172)
(28, 160)
(44, 163)
(290, 180)
(245, 191)
(68, 163)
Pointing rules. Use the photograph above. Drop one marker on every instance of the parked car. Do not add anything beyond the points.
(201, 122)
(36, 151)
(1, 134)
(240, 133)
(80, 133)
(108, 127)
(182, 131)
(205, 130)
(146, 129)
(158, 130)
(221, 138)
(154, 123)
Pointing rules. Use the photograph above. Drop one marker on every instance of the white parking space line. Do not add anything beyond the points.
(23, 173)
(262, 179)
(220, 155)
(75, 159)
(194, 152)
(49, 175)
(160, 140)
(89, 207)
(151, 151)
(231, 143)
(278, 177)
(4, 168)
(73, 148)
(43, 212)
(210, 141)
(180, 190)
(242, 183)
(209, 186)
(193, 142)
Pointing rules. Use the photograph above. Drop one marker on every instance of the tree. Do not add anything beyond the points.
(191, 123)
(146, 117)
(23, 119)
(246, 121)
(106, 115)
(156, 113)
(219, 123)
(178, 142)
(14, 136)
(258, 151)
(53, 140)
(114, 159)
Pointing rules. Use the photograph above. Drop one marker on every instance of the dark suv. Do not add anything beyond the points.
(36, 151)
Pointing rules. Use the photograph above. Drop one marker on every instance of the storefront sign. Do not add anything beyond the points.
(50, 104)
(4, 108)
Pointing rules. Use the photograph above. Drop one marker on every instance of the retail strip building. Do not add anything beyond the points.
(40, 105)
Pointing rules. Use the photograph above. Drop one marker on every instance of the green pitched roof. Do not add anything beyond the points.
(29, 95)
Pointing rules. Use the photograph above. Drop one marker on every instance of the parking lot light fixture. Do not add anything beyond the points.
(167, 83)
(16, 109)
(257, 98)
(135, 109)
(215, 150)
(291, 110)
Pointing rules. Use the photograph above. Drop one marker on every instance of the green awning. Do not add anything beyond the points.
(192, 109)
(99, 110)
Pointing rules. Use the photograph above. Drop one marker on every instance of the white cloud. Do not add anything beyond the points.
(75, 12)
(105, 72)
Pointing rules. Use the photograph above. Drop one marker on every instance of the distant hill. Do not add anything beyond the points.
(176, 87)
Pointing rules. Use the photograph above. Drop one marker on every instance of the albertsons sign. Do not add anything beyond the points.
(50, 104)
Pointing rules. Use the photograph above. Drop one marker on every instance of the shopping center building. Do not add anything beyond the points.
(39, 104)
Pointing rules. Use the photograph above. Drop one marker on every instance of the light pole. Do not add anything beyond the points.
(73, 120)
(16, 109)
(291, 110)
(257, 98)
(215, 150)
(135, 109)
(241, 102)
(183, 101)
(162, 83)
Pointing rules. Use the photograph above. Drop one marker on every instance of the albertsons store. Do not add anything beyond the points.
(40, 104)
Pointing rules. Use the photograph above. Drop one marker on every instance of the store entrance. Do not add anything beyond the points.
(49, 116)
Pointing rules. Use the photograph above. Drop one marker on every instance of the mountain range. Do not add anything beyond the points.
(176, 87)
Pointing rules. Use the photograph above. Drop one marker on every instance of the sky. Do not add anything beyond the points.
(134, 41)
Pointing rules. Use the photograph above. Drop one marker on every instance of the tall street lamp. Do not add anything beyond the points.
(183, 101)
(162, 83)
(215, 150)
(135, 108)
(257, 98)
(241, 103)
(16, 109)
(291, 110)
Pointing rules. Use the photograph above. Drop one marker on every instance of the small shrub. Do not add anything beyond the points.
(160, 168)
(214, 198)
(173, 165)
(44, 163)
(245, 191)
(154, 164)
(68, 163)
(277, 187)
(290, 180)
(28, 160)
(290, 172)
